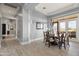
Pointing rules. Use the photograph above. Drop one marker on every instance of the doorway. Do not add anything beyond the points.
(3, 30)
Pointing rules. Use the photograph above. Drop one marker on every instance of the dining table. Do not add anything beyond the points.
(53, 39)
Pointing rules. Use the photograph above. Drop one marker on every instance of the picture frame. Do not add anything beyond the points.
(39, 25)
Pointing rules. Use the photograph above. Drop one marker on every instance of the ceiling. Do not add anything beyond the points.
(47, 8)
(10, 9)
(13, 9)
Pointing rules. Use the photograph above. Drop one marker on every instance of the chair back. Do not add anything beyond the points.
(46, 36)
(67, 38)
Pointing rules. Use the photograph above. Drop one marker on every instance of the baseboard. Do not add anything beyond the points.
(75, 41)
(36, 39)
(23, 43)
(0, 43)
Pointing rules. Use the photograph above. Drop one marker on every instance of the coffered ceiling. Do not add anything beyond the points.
(10, 9)
(48, 8)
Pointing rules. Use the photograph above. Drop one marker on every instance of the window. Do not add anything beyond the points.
(55, 29)
(62, 26)
(72, 26)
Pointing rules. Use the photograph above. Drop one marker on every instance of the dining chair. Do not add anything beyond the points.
(67, 39)
(64, 40)
(48, 38)
(44, 34)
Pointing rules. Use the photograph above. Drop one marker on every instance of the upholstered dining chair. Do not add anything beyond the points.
(47, 38)
(44, 35)
(64, 40)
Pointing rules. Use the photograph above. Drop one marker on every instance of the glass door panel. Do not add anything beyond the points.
(55, 28)
(72, 28)
(62, 26)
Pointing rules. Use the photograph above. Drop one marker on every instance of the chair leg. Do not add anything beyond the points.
(64, 45)
(49, 44)
(59, 47)
(45, 43)
(68, 42)
(59, 44)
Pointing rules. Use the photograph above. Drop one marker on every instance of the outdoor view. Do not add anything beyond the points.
(72, 26)
(55, 29)
(62, 27)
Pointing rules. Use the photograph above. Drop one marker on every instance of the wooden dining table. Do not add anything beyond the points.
(53, 39)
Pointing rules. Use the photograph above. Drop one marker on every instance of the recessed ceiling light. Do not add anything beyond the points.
(44, 7)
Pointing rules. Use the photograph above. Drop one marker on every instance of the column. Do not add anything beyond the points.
(66, 21)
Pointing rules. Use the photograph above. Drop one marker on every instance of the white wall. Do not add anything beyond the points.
(0, 32)
(77, 33)
(0, 29)
(29, 31)
(36, 17)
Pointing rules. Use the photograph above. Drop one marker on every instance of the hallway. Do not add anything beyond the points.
(37, 48)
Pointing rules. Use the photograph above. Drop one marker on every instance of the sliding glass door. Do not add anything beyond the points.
(72, 28)
(56, 28)
(62, 27)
